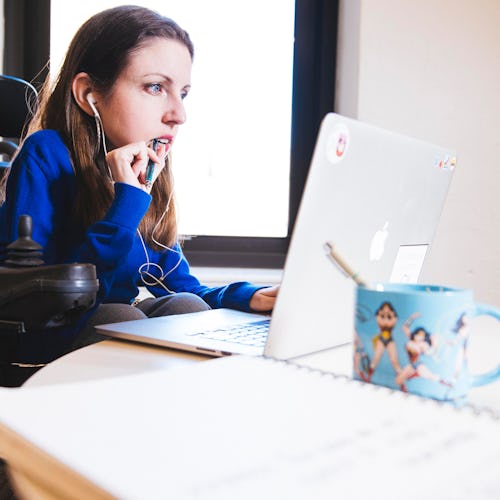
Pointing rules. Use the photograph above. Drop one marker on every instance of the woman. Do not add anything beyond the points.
(81, 172)
(386, 318)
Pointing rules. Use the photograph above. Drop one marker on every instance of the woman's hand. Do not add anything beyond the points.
(128, 164)
(264, 299)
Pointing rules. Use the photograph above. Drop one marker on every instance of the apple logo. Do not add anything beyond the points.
(377, 246)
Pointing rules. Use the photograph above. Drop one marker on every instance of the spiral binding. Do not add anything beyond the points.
(470, 408)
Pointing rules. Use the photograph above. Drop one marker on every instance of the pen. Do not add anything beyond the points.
(333, 255)
(150, 169)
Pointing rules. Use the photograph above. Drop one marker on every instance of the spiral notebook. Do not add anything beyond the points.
(246, 428)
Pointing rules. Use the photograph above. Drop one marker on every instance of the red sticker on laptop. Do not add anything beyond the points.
(338, 143)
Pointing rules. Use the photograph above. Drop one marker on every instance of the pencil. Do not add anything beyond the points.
(342, 264)
(150, 169)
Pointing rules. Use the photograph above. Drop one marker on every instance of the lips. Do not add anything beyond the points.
(166, 139)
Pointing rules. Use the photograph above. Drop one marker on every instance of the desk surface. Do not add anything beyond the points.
(112, 358)
(115, 358)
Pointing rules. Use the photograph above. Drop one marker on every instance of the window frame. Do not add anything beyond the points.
(27, 49)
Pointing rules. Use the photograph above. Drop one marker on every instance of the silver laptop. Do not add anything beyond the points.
(376, 197)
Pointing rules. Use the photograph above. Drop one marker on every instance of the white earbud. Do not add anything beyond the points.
(99, 128)
(91, 101)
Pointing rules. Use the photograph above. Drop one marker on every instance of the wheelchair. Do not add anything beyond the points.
(38, 304)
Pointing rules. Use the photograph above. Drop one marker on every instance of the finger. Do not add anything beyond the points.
(140, 157)
(154, 165)
(161, 151)
(146, 164)
(125, 162)
(271, 291)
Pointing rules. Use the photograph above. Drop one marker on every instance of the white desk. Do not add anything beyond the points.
(110, 358)
(114, 358)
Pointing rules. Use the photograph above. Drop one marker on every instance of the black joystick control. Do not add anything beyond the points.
(34, 296)
(24, 252)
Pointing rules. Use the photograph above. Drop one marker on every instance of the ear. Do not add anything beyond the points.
(81, 88)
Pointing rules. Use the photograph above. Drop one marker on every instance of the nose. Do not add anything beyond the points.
(175, 112)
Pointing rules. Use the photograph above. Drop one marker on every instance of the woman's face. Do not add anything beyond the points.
(146, 101)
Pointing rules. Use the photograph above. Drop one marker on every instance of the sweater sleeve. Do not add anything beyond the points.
(178, 278)
(108, 242)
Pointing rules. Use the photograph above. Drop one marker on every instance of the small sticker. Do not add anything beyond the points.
(338, 143)
(446, 162)
(408, 263)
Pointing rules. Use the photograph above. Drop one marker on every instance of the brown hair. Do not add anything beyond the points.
(101, 48)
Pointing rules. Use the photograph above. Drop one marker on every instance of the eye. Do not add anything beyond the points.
(155, 88)
(184, 94)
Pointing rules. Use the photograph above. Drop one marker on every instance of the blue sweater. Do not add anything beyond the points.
(42, 184)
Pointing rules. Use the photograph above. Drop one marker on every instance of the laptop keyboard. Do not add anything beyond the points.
(252, 334)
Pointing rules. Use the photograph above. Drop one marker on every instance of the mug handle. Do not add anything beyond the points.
(494, 374)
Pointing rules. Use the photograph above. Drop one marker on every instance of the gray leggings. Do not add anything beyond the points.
(180, 303)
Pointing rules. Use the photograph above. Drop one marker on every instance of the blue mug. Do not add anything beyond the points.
(414, 338)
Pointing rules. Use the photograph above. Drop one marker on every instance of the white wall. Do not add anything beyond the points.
(431, 69)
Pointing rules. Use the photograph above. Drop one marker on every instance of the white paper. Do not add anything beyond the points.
(250, 428)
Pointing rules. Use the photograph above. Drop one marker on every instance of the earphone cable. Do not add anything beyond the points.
(101, 137)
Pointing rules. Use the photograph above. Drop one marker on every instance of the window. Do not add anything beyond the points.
(277, 60)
